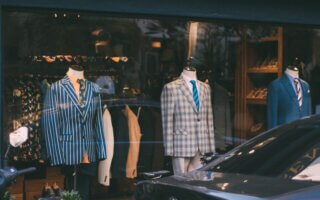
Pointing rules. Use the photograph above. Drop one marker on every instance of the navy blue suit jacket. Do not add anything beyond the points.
(71, 131)
(282, 102)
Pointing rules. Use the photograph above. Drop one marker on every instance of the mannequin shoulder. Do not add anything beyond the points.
(56, 85)
(207, 86)
(173, 84)
(275, 82)
(304, 83)
(95, 87)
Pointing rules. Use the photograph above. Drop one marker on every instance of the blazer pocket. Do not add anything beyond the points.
(180, 132)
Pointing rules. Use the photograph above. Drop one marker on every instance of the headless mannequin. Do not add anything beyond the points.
(186, 164)
(74, 73)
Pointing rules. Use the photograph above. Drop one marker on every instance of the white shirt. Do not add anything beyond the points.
(187, 79)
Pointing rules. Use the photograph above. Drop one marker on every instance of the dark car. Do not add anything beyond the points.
(282, 163)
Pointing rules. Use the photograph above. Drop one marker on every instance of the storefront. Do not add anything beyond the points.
(131, 50)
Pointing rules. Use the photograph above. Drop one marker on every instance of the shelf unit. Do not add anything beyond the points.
(260, 62)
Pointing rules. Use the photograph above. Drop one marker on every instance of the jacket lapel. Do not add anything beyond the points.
(68, 87)
(201, 94)
(187, 93)
(88, 98)
(288, 86)
(305, 91)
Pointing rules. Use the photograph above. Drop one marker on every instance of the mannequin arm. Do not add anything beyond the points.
(167, 111)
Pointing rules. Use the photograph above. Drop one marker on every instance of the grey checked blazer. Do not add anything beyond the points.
(186, 131)
(70, 130)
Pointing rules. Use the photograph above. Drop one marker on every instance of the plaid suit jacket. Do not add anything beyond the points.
(71, 131)
(186, 131)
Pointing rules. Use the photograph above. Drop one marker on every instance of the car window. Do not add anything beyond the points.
(283, 152)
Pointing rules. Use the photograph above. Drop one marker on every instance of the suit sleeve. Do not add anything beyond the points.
(210, 119)
(101, 151)
(51, 124)
(272, 106)
(167, 112)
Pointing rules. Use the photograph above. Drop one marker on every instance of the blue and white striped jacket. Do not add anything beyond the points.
(70, 130)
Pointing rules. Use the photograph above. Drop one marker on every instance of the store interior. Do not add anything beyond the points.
(132, 58)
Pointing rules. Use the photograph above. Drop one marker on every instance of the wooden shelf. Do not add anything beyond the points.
(263, 70)
(269, 39)
(273, 38)
(256, 101)
(252, 75)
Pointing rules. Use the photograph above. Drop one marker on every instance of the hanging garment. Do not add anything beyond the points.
(185, 130)
(222, 117)
(105, 165)
(282, 102)
(158, 154)
(121, 142)
(146, 123)
(71, 131)
(134, 137)
(26, 111)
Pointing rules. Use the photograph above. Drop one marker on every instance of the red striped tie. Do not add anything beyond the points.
(298, 90)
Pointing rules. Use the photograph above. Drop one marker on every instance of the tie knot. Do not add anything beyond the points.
(193, 82)
(80, 81)
(296, 80)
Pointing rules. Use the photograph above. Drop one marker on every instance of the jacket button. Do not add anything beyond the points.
(199, 120)
(82, 137)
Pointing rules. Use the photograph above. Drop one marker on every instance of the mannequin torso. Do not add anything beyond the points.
(74, 75)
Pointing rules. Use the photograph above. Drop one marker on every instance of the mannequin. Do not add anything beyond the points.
(288, 97)
(187, 71)
(187, 121)
(73, 128)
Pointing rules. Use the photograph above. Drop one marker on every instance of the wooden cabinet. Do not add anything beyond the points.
(260, 62)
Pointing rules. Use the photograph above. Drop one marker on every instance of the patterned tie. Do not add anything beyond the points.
(298, 90)
(81, 92)
(195, 94)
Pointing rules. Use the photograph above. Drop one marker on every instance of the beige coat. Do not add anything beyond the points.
(134, 138)
(104, 165)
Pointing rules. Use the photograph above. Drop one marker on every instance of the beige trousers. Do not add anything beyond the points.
(186, 164)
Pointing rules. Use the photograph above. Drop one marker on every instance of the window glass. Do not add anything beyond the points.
(56, 115)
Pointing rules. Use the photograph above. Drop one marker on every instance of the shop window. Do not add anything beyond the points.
(130, 60)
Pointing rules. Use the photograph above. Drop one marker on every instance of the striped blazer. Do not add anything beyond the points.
(185, 130)
(71, 131)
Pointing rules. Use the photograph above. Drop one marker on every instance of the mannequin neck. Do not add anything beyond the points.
(74, 74)
(190, 74)
(292, 73)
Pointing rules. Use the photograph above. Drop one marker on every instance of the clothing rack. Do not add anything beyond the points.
(118, 102)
